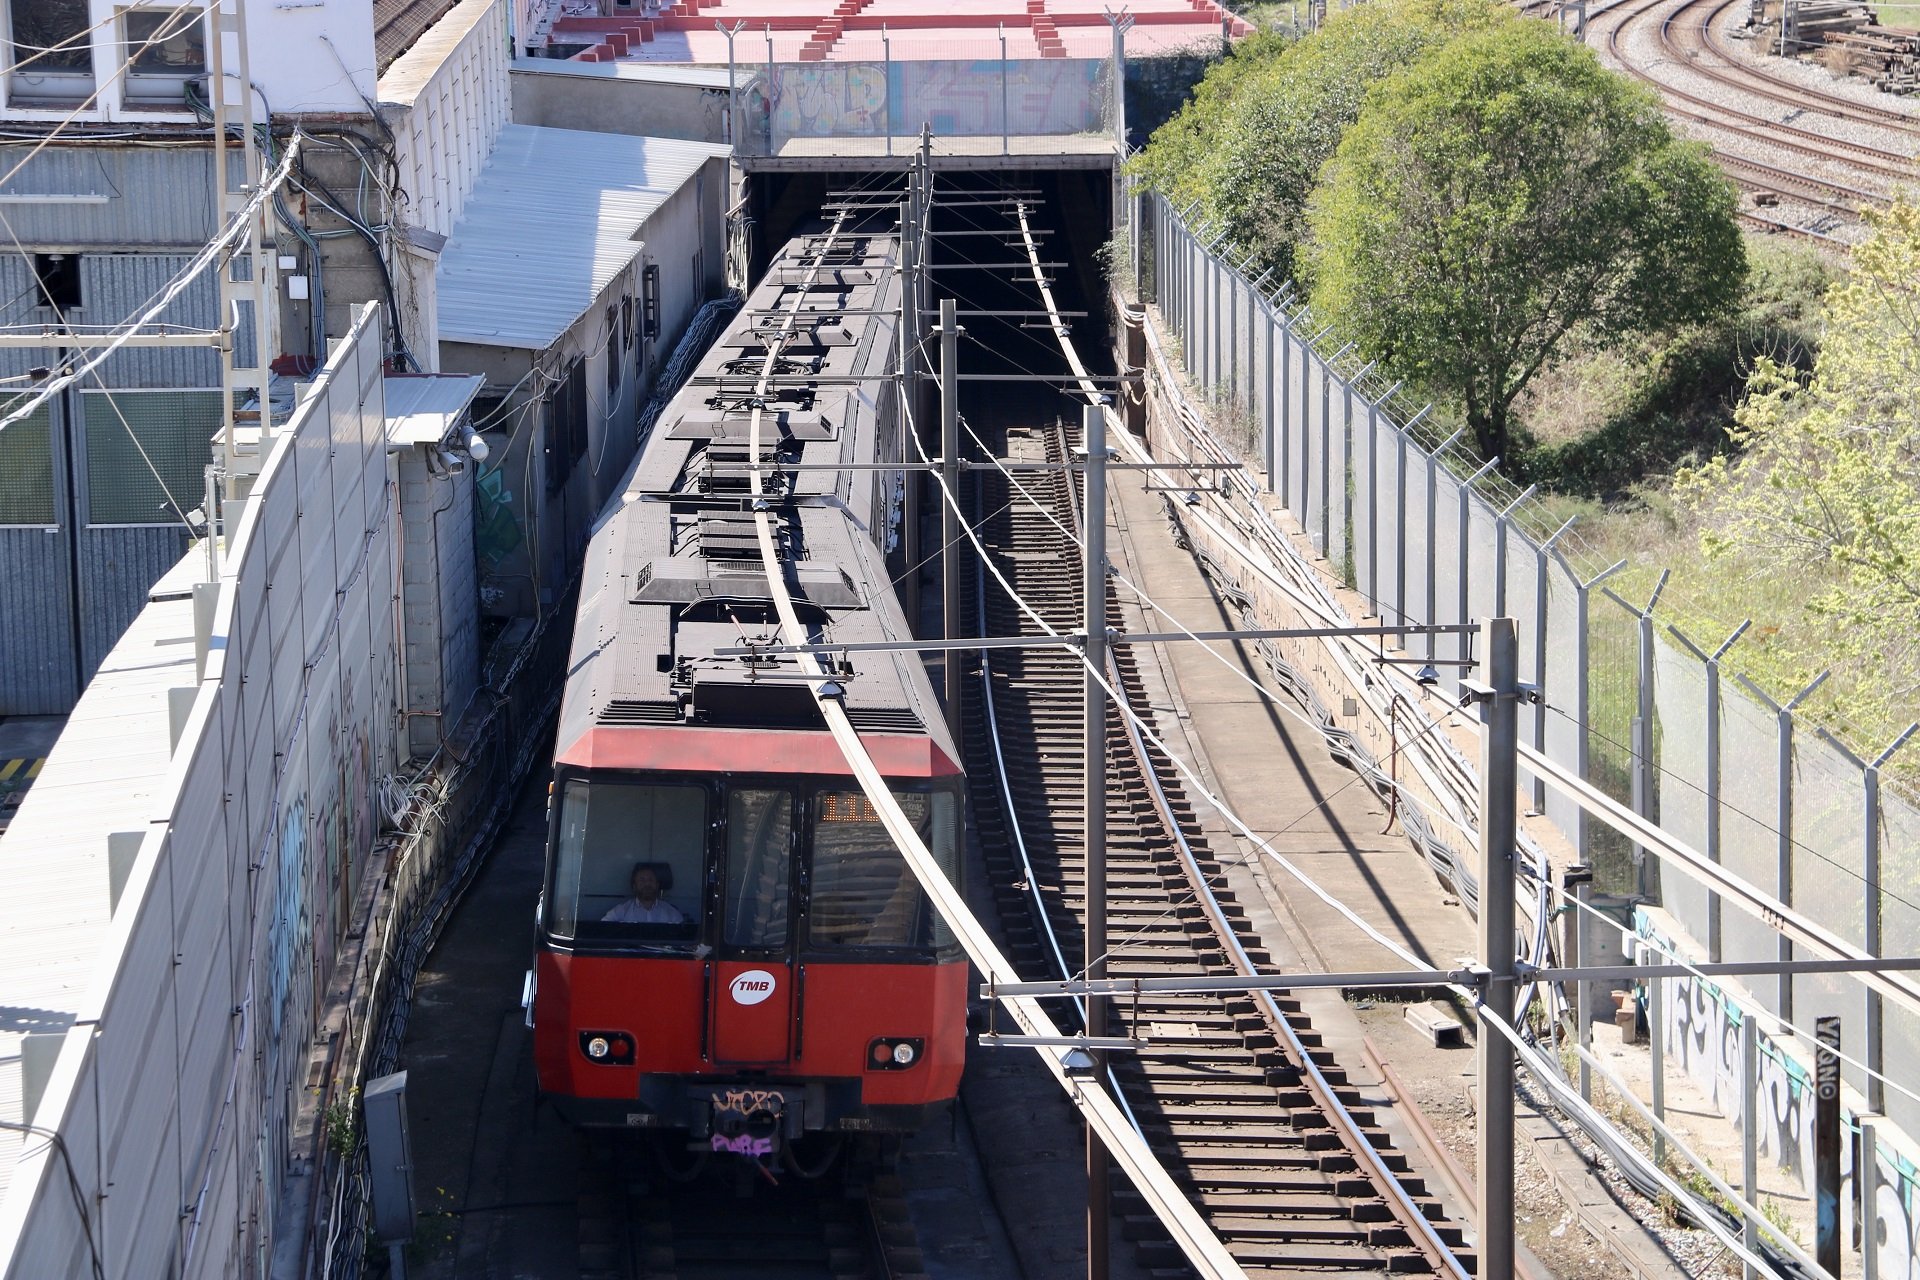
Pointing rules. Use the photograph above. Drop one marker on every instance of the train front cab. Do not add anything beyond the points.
(788, 977)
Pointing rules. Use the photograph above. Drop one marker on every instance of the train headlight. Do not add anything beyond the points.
(614, 1047)
(890, 1054)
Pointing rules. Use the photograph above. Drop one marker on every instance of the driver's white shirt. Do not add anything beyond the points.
(633, 911)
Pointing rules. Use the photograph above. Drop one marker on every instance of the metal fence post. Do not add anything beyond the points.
(1541, 612)
(1232, 346)
(1643, 782)
(1710, 664)
(1268, 453)
(1004, 143)
(1326, 452)
(1867, 1178)
(1284, 445)
(1750, 1135)
(773, 96)
(1874, 1050)
(1400, 543)
(1580, 879)
(1657, 1052)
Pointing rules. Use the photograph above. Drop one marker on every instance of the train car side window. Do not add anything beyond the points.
(862, 893)
(759, 862)
(629, 862)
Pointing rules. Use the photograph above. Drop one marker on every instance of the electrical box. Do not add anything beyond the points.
(389, 1158)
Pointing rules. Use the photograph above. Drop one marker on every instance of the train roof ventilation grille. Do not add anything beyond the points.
(630, 711)
(726, 468)
(884, 720)
(728, 536)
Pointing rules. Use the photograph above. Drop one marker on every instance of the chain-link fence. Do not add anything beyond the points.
(1428, 533)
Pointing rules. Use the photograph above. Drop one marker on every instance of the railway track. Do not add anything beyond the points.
(729, 1220)
(1246, 1110)
(1695, 20)
(1803, 164)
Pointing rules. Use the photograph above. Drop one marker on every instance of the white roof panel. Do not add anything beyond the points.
(106, 773)
(422, 407)
(554, 217)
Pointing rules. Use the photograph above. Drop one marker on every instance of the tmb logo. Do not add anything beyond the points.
(752, 987)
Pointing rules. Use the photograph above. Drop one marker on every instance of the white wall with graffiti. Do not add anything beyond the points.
(1702, 1029)
(169, 1163)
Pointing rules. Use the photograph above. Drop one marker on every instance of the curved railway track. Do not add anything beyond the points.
(728, 1220)
(1804, 163)
(1247, 1111)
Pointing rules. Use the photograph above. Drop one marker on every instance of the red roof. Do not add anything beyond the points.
(905, 30)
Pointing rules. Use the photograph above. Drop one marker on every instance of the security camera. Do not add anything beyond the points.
(477, 447)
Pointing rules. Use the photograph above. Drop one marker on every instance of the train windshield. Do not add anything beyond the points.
(629, 863)
(862, 892)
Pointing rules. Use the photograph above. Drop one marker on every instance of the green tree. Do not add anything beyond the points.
(1503, 198)
(1825, 492)
(1250, 142)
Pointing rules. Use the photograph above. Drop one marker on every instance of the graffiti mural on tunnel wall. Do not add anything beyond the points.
(1703, 1035)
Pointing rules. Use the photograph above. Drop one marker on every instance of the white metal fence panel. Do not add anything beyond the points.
(275, 770)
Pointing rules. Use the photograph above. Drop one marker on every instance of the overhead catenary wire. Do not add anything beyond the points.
(1130, 1151)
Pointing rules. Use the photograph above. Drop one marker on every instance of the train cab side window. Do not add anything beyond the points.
(862, 893)
(629, 863)
(759, 858)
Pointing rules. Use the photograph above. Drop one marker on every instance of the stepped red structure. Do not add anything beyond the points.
(903, 30)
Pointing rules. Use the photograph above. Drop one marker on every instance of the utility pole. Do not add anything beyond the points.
(232, 104)
(1499, 780)
(910, 392)
(949, 517)
(1094, 437)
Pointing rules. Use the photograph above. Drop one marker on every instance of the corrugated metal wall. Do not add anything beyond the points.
(69, 590)
(149, 197)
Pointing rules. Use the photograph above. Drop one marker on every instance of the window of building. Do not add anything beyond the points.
(175, 430)
(26, 470)
(164, 49)
(59, 277)
(51, 49)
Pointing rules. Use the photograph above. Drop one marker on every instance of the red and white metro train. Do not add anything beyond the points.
(729, 945)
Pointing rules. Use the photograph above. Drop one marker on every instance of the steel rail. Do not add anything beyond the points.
(1129, 1150)
(1419, 1228)
(1013, 824)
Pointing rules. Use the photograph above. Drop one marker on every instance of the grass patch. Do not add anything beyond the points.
(1606, 422)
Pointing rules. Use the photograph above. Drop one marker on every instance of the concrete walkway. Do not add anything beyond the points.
(1276, 773)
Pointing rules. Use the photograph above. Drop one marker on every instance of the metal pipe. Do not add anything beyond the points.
(1093, 421)
(1499, 873)
(949, 517)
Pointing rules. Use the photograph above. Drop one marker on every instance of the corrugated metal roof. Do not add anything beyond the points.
(398, 23)
(555, 216)
(647, 72)
(421, 408)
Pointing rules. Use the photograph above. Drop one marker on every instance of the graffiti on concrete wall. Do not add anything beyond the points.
(291, 929)
(1703, 1040)
(830, 99)
(955, 98)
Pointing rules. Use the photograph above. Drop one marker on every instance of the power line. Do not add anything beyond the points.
(112, 403)
(236, 226)
(160, 35)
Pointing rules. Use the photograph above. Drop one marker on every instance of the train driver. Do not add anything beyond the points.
(646, 906)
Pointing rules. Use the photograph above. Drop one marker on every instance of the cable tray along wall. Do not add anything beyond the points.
(1427, 533)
